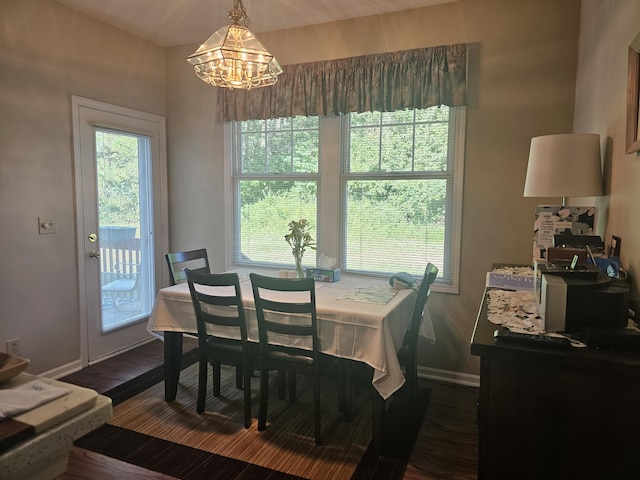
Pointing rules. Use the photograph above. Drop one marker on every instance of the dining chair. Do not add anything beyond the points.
(407, 354)
(286, 314)
(194, 260)
(220, 306)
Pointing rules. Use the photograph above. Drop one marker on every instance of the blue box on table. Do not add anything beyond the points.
(323, 274)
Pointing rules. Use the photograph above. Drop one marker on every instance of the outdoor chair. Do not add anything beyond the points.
(123, 286)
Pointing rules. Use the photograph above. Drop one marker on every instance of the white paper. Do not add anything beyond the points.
(27, 396)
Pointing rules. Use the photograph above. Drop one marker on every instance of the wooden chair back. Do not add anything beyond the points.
(217, 302)
(281, 323)
(412, 333)
(226, 294)
(408, 355)
(272, 322)
(194, 260)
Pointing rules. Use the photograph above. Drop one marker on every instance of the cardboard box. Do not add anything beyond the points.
(323, 275)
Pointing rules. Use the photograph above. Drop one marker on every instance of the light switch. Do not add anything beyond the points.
(46, 224)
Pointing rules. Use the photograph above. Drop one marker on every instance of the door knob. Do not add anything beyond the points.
(94, 254)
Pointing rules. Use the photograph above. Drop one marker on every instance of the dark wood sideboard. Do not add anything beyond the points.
(546, 413)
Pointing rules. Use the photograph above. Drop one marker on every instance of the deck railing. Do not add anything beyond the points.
(119, 258)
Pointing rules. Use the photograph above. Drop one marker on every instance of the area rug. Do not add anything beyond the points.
(173, 439)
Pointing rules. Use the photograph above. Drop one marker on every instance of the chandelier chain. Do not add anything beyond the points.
(239, 13)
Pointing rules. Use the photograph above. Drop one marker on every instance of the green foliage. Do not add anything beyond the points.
(299, 239)
(379, 237)
(280, 146)
(381, 211)
(404, 141)
(117, 177)
(265, 216)
(412, 201)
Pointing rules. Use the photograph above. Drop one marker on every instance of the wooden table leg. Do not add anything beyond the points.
(377, 421)
(172, 364)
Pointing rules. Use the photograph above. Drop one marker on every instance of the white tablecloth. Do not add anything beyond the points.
(355, 321)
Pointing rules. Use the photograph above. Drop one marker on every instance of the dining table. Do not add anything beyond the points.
(359, 318)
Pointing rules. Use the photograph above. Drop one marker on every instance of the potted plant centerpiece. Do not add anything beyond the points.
(299, 239)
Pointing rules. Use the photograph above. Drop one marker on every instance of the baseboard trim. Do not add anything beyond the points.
(76, 365)
(427, 373)
(448, 376)
(123, 350)
(63, 370)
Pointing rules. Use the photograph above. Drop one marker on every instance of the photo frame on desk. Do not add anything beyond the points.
(614, 248)
(633, 96)
(553, 220)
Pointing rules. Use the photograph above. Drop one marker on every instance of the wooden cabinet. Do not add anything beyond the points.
(546, 413)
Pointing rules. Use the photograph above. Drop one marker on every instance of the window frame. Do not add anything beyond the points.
(235, 252)
(454, 200)
(331, 184)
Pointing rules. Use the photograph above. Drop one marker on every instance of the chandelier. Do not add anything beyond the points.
(234, 58)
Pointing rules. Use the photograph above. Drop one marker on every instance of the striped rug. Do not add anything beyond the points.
(173, 439)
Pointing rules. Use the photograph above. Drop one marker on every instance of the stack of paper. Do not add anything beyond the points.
(510, 282)
(27, 396)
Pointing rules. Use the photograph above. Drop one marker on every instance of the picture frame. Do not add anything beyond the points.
(552, 220)
(614, 249)
(633, 96)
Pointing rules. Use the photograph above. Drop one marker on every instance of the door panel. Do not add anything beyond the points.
(120, 201)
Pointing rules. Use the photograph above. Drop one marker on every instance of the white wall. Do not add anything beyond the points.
(196, 166)
(607, 29)
(47, 54)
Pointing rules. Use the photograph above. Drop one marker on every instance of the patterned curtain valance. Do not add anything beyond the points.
(419, 78)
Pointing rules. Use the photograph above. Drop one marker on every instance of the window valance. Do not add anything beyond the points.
(418, 78)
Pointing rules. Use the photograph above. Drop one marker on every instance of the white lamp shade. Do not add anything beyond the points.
(565, 165)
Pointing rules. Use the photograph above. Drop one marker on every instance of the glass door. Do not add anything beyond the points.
(124, 217)
(120, 172)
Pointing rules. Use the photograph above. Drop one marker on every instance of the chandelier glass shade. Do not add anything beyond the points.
(234, 58)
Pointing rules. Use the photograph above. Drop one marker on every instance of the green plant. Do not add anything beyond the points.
(299, 239)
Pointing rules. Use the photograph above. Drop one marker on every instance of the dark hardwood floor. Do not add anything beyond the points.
(114, 371)
(446, 447)
(103, 377)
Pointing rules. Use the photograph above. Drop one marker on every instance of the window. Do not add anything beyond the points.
(398, 174)
(275, 180)
(383, 190)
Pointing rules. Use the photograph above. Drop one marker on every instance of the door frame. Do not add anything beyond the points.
(160, 215)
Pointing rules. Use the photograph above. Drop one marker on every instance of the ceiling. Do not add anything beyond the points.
(179, 22)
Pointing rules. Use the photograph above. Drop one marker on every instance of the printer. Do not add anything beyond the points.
(579, 299)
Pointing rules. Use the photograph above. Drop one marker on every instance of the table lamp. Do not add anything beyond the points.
(564, 165)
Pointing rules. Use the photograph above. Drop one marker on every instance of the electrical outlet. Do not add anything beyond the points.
(13, 347)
